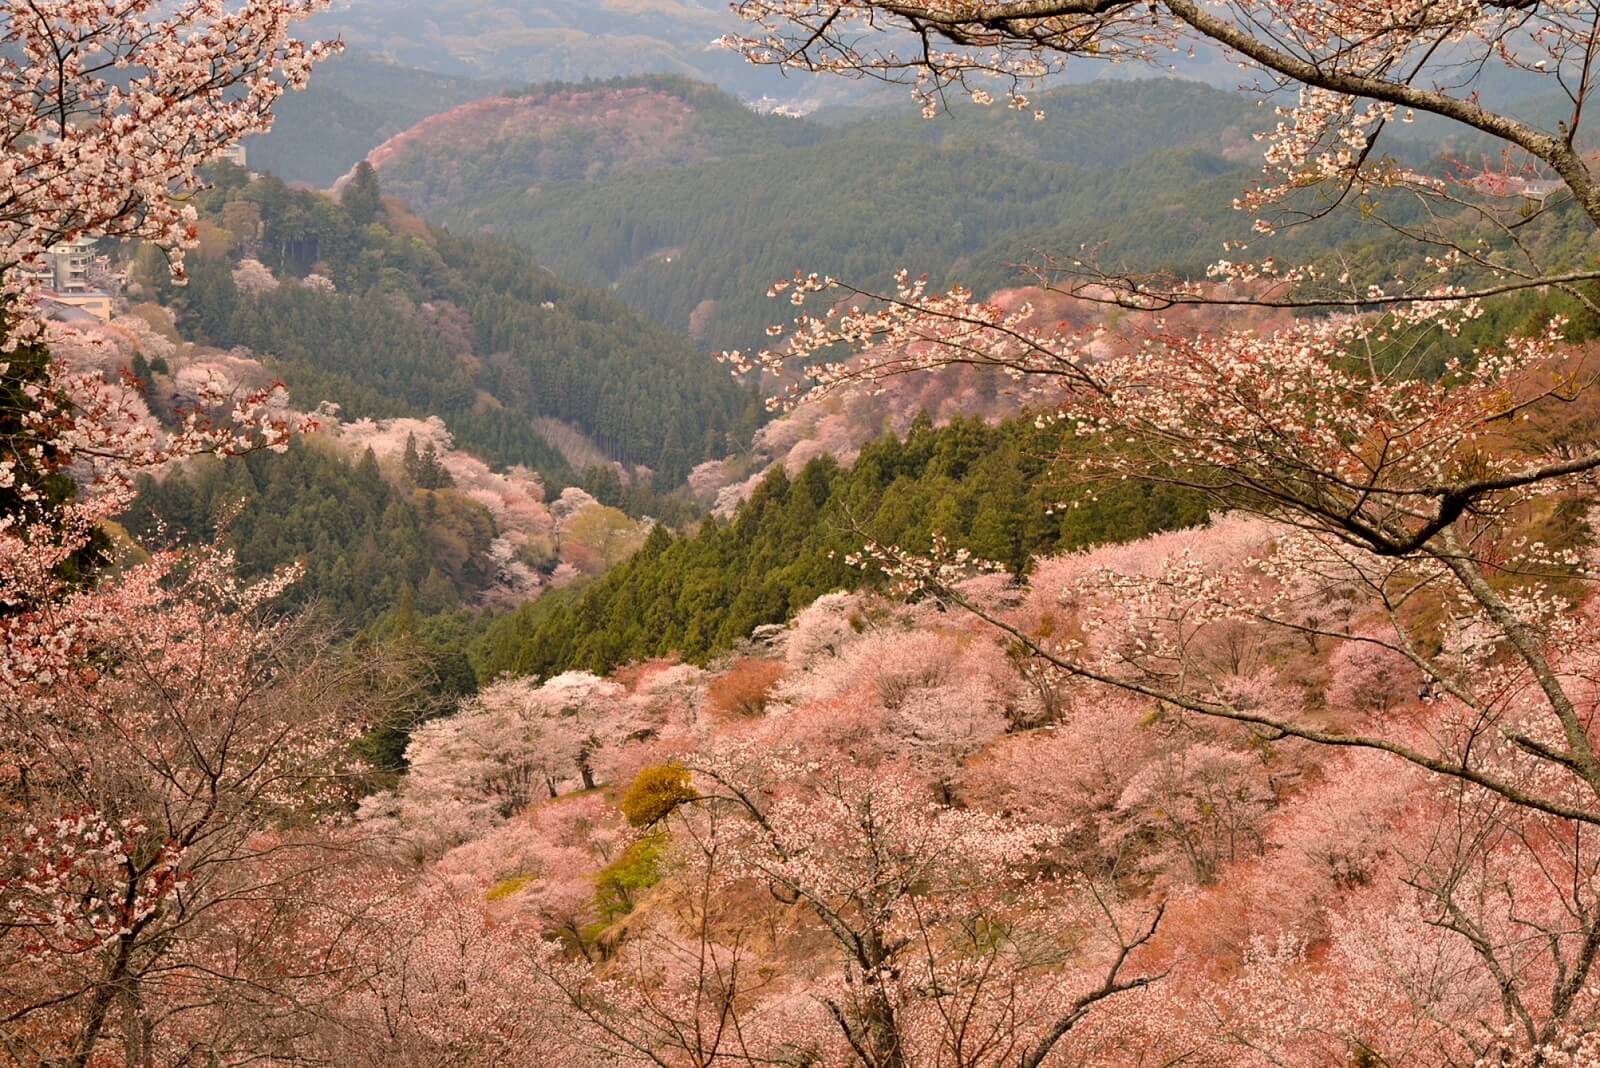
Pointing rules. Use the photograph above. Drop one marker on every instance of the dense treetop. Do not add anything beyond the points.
(363, 541)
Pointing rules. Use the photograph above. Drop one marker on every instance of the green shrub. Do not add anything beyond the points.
(506, 887)
(619, 884)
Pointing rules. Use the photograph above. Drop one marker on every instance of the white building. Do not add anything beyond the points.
(64, 278)
(793, 109)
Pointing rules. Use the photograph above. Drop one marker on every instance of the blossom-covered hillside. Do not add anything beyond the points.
(1235, 705)
(893, 826)
(374, 509)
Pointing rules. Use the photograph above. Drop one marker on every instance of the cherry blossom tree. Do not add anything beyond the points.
(1518, 890)
(160, 734)
(1427, 501)
(1344, 830)
(822, 628)
(443, 984)
(1488, 736)
(951, 945)
(166, 751)
(1071, 774)
(926, 698)
(1204, 803)
(1396, 971)
(513, 744)
(168, 748)
(590, 714)
(1366, 678)
(537, 871)
(108, 109)
(254, 278)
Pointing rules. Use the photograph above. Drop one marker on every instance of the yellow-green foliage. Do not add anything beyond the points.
(655, 792)
(598, 538)
(619, 884)
(506, 887)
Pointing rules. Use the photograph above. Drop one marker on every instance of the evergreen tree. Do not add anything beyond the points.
(409, 460)
(22, 376)
(697, 597)
(362, 199)
(141, 370)
(603, 484)
(424, 468)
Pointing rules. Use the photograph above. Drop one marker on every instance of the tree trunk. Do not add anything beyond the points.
(100, 1004)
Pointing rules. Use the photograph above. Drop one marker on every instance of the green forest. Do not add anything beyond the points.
(983, 487)
(427, 323)
(1143, 171)
(365, 544)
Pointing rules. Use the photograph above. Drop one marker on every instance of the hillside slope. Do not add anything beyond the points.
(695, 246)
(408, 321)
(510, 145)
(982, 486)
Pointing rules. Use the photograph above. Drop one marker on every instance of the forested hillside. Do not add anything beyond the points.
(367, 543)
(981, 486)
(513, 144)
(412, 321)
(1138, 172)
(1140, 165)
(662, 236)
(1101, 126)
(414, 333)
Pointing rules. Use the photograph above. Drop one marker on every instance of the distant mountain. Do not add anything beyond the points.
(409, 59)
(522, 41)
(513, 144)
(690, 206)
(354, 102)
